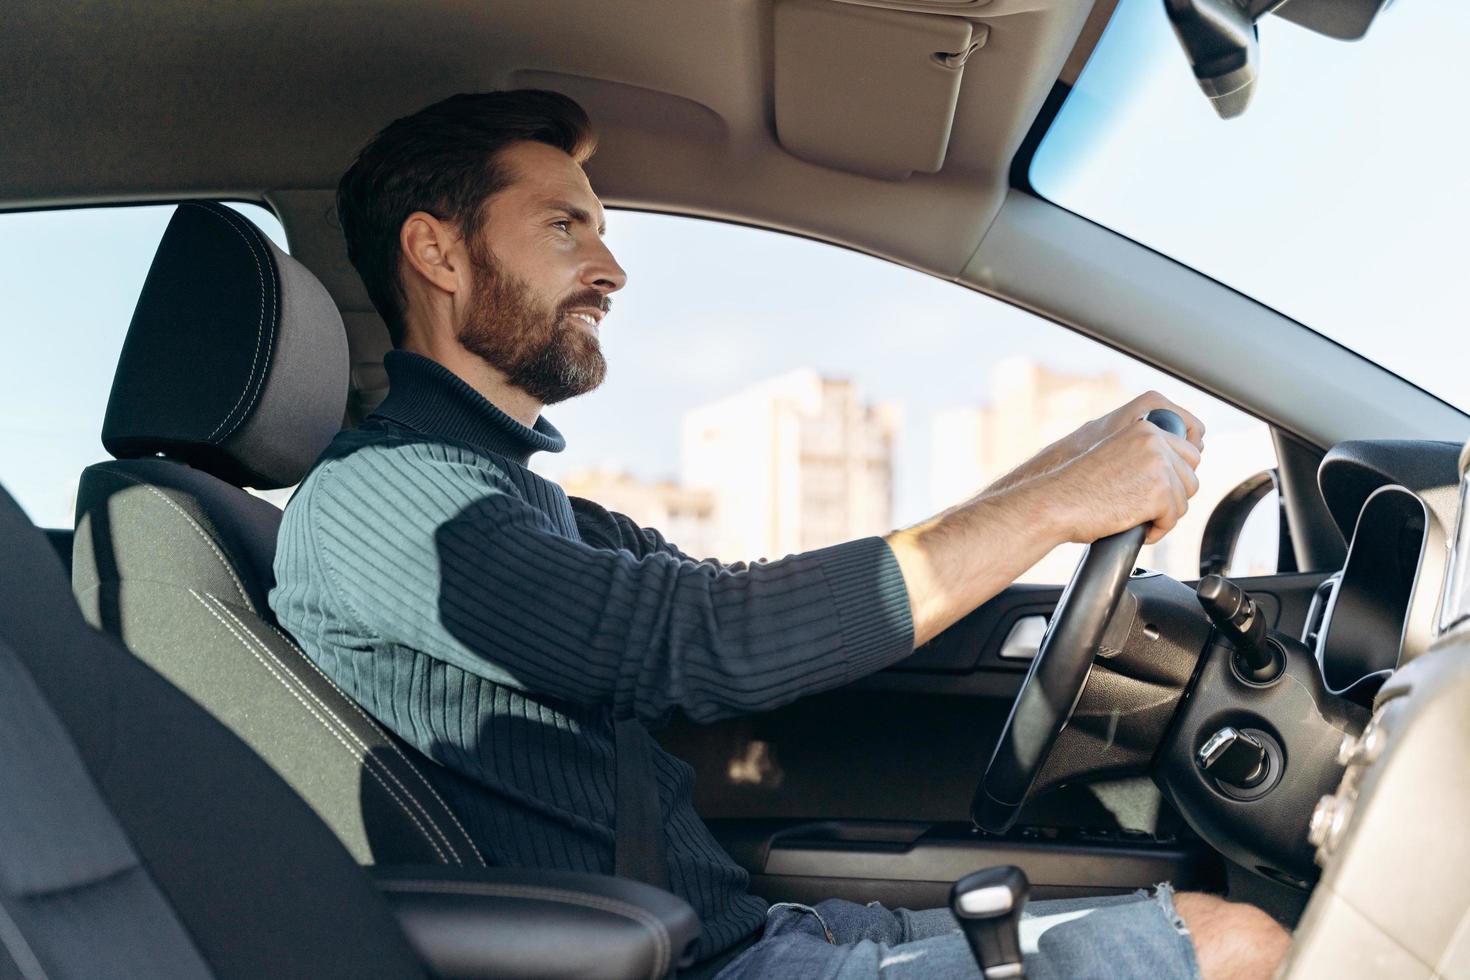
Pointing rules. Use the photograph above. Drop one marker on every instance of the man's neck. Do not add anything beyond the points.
(473, 371)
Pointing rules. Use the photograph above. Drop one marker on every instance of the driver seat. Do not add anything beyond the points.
(234, 373)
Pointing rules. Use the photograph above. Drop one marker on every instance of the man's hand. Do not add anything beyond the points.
(1069, 447)
(1114, 473)
(1139, 474)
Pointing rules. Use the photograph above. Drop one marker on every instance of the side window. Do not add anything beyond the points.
(73, 278)
(767, 394)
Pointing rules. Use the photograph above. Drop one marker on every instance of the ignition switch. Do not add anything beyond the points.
(1234, 758)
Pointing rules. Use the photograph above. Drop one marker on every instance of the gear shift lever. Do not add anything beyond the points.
(988, 904)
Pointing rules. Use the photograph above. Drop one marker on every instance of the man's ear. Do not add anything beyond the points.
(431, 249)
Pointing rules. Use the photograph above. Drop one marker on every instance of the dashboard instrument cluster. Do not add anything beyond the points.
(1384, 608)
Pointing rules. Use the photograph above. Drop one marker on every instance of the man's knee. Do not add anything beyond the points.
(1232, 941)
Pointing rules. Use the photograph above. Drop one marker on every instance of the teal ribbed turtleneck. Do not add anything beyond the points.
(499, 627)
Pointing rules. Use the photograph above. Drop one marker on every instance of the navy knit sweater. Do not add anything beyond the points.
(499, 627)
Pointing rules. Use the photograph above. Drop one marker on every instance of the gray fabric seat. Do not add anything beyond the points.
(234, 373)
(138, 837)
(75, 898)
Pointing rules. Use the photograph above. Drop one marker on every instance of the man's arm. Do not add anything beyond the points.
(437, 556)
(1137, 474)
(1086, 436)
(433, 556)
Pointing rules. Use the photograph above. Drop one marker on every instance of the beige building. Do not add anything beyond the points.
(793, 463)
(684, 516)
(1032, 406)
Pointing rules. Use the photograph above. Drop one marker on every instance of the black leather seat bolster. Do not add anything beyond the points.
(500, 922)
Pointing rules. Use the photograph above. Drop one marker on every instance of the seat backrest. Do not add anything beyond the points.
(174, 558)
(211, 857)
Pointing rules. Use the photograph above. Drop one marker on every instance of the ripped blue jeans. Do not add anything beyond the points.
(1116, 938)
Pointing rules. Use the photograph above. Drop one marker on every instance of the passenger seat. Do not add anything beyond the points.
(233, 374)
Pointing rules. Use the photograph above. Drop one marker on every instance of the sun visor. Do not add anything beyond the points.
(866, 89)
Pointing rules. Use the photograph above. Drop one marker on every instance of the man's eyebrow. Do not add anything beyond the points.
(578, 214)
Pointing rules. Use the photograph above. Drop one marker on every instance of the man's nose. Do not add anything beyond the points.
(602, 271)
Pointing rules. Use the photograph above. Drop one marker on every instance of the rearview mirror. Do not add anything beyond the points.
(1219, 38)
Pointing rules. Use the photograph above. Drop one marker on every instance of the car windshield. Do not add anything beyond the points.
(1340, 198)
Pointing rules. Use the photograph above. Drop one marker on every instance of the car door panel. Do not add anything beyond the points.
(864, 792)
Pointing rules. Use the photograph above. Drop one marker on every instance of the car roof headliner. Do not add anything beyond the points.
(175, 98)
(270, 99)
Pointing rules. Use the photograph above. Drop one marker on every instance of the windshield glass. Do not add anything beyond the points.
(1340, 198)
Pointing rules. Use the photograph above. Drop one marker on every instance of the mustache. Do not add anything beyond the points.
(588, 297)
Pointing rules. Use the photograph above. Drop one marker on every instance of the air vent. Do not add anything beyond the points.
(955, 8)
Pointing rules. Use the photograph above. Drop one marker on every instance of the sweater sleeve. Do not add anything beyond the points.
(457, 565)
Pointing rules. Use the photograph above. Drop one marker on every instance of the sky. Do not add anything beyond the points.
(70, 280)
(710, 308)
(1341, 198)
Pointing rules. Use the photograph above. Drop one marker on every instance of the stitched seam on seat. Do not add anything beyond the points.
(19, 950)
(257, 241)
(71, 887)
(642, 916)
(260, 325)
(368, 768)
(388, 740)
(367, 754)
(255, 357)
(239, 586)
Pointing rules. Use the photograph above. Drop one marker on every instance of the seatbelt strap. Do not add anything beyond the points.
(639, 842)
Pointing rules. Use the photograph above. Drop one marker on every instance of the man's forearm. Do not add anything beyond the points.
(1037, 465)
(970, 553)
(1048, 459)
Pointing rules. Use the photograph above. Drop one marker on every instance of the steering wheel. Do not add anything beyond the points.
(1059, 671)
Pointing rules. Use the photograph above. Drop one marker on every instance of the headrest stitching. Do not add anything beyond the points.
(250, 246)
(270, 337)
(253, 240)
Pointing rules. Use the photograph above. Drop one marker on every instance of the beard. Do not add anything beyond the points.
(537, 347)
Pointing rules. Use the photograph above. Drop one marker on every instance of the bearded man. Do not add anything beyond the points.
(515, 636)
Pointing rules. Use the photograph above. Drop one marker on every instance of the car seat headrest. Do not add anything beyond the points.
(236, 359)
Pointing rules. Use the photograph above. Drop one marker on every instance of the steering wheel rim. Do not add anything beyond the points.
(1058, 673)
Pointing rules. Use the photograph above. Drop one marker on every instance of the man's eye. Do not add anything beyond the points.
(562, 224)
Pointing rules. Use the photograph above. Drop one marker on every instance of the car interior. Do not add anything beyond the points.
(187, 794)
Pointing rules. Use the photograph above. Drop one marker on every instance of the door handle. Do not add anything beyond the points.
(1024, 639)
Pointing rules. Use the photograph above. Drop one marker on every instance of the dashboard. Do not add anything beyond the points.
(1393, 502)
(1394, 896)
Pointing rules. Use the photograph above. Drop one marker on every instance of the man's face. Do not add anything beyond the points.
(542, 277)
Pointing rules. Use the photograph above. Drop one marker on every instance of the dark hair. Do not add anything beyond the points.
(442, 159)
